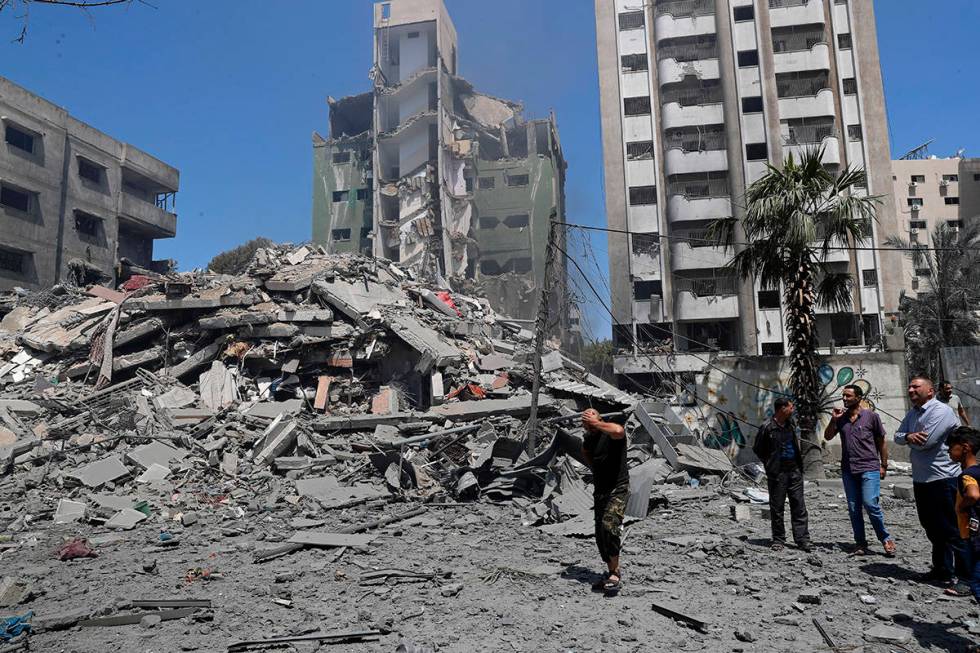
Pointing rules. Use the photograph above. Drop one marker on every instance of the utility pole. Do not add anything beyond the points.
(540, 326)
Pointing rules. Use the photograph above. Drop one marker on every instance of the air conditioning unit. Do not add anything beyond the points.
(944, 183)
(915, 230)
(916, 208)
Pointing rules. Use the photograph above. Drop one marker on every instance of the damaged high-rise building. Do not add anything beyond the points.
(426, 171)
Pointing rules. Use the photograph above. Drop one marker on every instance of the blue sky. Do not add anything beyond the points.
(229, 91)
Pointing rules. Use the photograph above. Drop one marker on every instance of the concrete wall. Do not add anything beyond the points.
(51, 233)
(331, 219)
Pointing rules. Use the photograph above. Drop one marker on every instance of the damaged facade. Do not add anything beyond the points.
(74, 201)
(429, 173)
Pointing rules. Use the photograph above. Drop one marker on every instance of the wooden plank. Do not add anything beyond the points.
(322, 393)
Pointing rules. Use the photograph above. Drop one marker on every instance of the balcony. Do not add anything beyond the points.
(682, 208)
(807, 106)
(831, 153)
(669, 26)
(675, 115)
(679, 162)
(673, 71)
(695, 255)
(688, 306)
(648, 310)
(795, 12)
(816, 58)
(148, 216)
(652, 363)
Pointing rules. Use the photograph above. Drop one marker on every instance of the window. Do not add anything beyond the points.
(363, 194)
(643, 290)
(386, 10)
(469, 184)
(20, 139)
(15, 199)
(854, 132)
(915, 201)
(870, 278)
(639, 150)
(634, 62)
(955, 224)
(850, 86)
(917, 224)
(12, 261)
(772, 349)
(340, 234)
(769, 299)
(412, 35)
(90, 171)
(636, 106)
(752, 104)
(489, 222)
(518, 180)
(748, 58)
(341, 157)
(87, 224)
(949, 178)
(756, 152)
(918, 179)
(341, 195)
(646, 244)
(641, 195)
(952, 200)
(518, 221)
(744, 13)
(486, 183)
(976, 176)
(631, 20)
(844, 41)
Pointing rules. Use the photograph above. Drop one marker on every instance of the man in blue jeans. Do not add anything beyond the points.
(934, 475)
(864, 463)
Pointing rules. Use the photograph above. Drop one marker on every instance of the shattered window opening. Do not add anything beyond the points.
(646, 245)
(518, 180)
(341, 195)
(689, 48)
(756, 151)
(87, 224)
(363, 194)
(489, 222)
(645, 290)
(801, 84)
(341, 157)
(518, 221)
(632, 63)
(769, 300)
(12, 261)
(773, 349)
(855, 133)
(870, 278)
(340, 234)
(643, 195)
(90, 171)
(639, 150)
(19, 138)
(745, 13)
(952, 200)
(15, 199)
(748, 58)
(850, 86)
(487, 183)
(631, 20)
(844, 41)
(752, 104)
(636, 106)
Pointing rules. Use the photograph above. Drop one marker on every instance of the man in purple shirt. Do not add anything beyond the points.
(864, 463)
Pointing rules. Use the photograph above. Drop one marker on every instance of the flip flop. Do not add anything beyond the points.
(890, 548)
(611, 586)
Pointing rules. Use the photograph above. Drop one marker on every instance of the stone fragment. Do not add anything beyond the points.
(69, 511)
(888, 634)
(809, 597)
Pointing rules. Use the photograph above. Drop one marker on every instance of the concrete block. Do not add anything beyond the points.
(809, 597)
(69, 511)
(888, 634)
(903, 491)
(741, 512)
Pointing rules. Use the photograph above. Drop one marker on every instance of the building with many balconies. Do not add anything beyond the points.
(74, 200)
(698, 97)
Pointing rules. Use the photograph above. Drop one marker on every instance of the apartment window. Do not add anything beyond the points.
(642, 195)
(518, 180)
(769, 299)
(744, 13)
(773, 349)
(976, 176)
(643, 290)
(756, 152)
(638, 150)
(631, 20)
(870, 278)
(469, 184)
(918, 179)
(20, 139)
(87, 224)
(854, 132)
(949, 178)
(412, 35)
(634, 62)
(90, 171)
(341, 157)
(489, 222)
(363, 194)
(340, 234)
(519, 221)
(952, 200)
(341, 195)
(386, 10)
(917, 224)
(15, 199)
(748, 58)
(12, 261)
(752, 104)
(487, 183)
(844, 41)
(636, 106)
(850, 86)
(955, 224)
(915, 201)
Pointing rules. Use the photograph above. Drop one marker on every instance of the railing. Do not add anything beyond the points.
(791, 85)
(695, 238)
(695, 139)
(689, 49)
(780, 4)
(808, 134)
(796, 38)
(695, 186)
(706, 286)
(685, 8)
(688, 95)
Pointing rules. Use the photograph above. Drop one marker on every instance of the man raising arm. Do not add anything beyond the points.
(604, 449)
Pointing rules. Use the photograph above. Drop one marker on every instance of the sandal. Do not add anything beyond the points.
(611, 586)
(858, 551)
(959, 590)
(600, 585)
(776, 546)
(890, 548)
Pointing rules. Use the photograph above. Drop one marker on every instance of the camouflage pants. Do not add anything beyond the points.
(609, 510)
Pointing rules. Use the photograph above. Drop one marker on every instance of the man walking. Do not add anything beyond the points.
(953, 401)
(604, 450)
(777, 445)
(934, 475)
(864, 463)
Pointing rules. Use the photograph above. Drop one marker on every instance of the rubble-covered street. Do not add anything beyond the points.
(327, 452)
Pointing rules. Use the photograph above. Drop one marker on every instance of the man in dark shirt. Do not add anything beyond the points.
(777, 445)
(864, 463)
(604, 450)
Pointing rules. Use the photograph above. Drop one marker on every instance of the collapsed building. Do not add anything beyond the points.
(427, 172)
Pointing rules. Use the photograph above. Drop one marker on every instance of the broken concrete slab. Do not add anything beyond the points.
(177, 397)
(125, 519)
(13, 591)
(888, 634)
(327, 489)
(155, 453)
(69, 511)
(477, 410)
(278, 437)
(356, 299)
(273, 409)
(100, 472)
(323, 539)
(219, 386)
(432, 349)
(153, 473)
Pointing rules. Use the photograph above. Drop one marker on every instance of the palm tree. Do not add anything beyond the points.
(944, 312)
(793, 217)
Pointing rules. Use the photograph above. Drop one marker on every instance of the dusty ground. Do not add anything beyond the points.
(522, 589)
